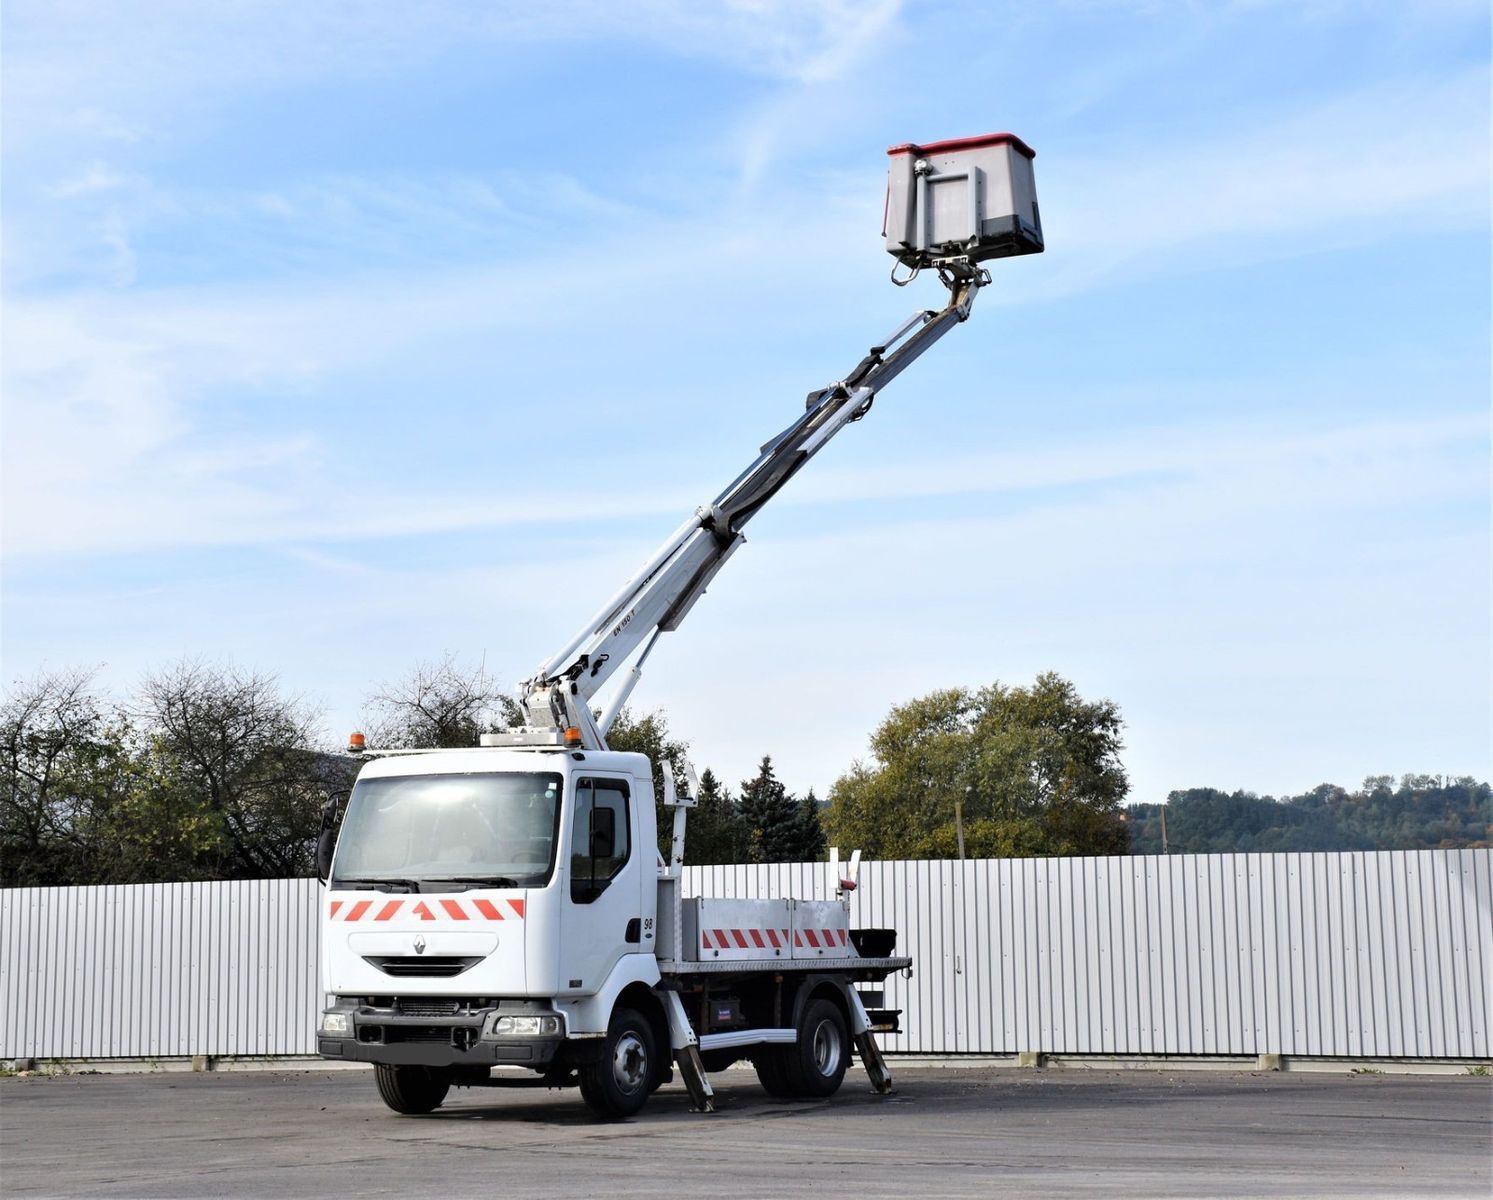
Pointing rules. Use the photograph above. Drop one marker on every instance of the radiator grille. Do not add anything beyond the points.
(433, 1007)
(428, 965)
(417, 1033)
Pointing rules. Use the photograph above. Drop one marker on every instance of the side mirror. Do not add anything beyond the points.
(326, 838)
(603, 833)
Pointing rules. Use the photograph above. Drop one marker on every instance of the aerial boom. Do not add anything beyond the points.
(557, 700)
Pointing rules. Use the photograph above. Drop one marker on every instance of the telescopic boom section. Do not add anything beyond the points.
(660, 595)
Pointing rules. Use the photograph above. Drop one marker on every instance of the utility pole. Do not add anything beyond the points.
(1165, 847)
(959, 819)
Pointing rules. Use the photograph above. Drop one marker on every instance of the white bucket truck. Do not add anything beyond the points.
(505, 906)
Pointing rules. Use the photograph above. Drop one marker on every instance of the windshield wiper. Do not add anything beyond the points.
(475, 880)
(380, 883)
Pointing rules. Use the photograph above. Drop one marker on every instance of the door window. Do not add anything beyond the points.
(599, 841)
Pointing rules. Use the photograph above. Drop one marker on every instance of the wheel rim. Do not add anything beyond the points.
(630, 1062)
(826, 1045)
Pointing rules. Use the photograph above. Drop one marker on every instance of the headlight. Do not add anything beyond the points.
(337, 1023)
(526, 1026)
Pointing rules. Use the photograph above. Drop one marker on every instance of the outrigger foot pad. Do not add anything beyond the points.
(881, 1078)
(692, 1071)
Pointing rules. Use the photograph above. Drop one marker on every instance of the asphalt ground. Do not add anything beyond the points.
(973, 1132)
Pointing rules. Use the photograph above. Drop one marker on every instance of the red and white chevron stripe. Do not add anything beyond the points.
(823, 939)
(426, 909)
(743, 939)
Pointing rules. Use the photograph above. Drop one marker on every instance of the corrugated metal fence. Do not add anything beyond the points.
(1382, 955)
(160, 969)
(1374, 955)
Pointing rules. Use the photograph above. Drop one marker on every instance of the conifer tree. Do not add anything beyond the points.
(770, 815)
(716, 832)
(811, 845)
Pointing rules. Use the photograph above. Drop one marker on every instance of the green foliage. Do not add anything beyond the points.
(779, 826)
(67, 773)
(1034, 771)
(770, 815)
(808, 827)
(1424, 812)
(716, 832)
(649, 734)
(212, 773)
(211, 776)
(232, 785)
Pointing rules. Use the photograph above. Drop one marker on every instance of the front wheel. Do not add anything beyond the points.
(411, 1090)
(617, 1083)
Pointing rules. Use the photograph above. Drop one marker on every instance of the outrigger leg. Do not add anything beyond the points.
(686, 1047)
(865, 1044)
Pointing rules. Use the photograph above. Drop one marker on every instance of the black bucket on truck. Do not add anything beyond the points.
(874, 943)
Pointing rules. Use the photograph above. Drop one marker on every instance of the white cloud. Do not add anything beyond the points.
(110, 398)
(95, 177)
(122, 70)
(1404, 156)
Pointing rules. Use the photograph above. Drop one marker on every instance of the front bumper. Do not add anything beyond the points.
(466, 1039)
(532, 1052)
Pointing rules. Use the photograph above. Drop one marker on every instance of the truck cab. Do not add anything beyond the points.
(486, 907)
(508, 908)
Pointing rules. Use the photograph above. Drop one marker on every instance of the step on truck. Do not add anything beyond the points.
(501, 915)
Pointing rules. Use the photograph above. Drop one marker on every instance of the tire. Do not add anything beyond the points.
(771, 1071)
(814, 1066)
(411, 1090)
(663, 1066)
(617, 1084)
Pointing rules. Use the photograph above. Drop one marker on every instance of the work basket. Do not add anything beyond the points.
(971, 198)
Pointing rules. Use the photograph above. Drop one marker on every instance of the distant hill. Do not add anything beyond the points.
(1422, 812)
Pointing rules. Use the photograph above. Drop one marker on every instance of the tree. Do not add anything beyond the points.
(810, 844)
(771, 817)
(67, 772)
(1424, 812)
(439, 706)
(231, 785)
(1035, 771)
(649, 734)
(716, 832)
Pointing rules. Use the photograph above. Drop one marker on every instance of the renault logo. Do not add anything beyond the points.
(419, 943)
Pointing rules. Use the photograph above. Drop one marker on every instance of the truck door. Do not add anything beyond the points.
(601, 919)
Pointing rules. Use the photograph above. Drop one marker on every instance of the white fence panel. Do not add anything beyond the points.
(159, 970)
(1381, 955)
(1355, 955)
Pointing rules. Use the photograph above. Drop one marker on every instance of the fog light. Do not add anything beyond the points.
(526, 1026)
(337, 1023)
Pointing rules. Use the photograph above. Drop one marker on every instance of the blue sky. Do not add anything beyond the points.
(342, 336)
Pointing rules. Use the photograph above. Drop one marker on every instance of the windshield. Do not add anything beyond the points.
(450, 830)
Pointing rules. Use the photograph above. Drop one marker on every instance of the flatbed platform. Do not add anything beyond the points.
(881, 967)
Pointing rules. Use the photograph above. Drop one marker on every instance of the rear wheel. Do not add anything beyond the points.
(814, 1065)
(411, 1090)
(771, 1065)
(617, 1084)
